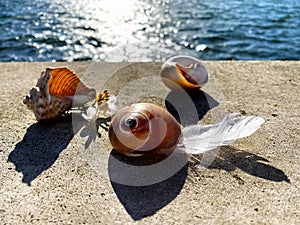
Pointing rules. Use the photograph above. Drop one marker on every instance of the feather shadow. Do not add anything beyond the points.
(230, 159)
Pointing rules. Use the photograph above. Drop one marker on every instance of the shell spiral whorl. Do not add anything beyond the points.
(144, 128)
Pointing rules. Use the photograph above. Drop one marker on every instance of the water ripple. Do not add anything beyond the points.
(112, 30)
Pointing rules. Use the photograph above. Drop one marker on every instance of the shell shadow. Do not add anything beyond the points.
(144, 201)
(40, 147)
(230, 159)
(189, 107)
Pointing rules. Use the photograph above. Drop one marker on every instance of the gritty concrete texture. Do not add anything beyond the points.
(48, 177)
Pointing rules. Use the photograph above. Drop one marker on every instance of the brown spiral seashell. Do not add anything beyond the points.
(184, 72)
(56, 91)
(144, 128)
(148, 131)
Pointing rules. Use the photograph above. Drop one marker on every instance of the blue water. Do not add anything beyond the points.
(141, 30)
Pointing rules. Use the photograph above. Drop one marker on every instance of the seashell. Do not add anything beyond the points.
(56, 91)
(145, 129)
(184, 72)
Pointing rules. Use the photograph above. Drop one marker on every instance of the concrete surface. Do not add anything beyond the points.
(47, 178)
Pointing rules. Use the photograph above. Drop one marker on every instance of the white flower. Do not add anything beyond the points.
(105, 110)
(109, 108)
(91, 112)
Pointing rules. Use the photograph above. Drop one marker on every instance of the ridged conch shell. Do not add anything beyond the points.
(184, 72)
(144, 128)
(56, 91)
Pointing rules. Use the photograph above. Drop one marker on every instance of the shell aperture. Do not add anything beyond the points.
(184, 72)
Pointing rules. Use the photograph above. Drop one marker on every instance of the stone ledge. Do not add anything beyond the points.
(253, 181)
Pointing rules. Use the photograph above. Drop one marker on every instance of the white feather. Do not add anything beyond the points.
(198, 139)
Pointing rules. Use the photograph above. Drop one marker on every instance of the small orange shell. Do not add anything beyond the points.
(144, 128)
(184, 72)
(57, 90)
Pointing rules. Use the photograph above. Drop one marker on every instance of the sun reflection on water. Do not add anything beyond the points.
(143, 30)
(119, 26)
